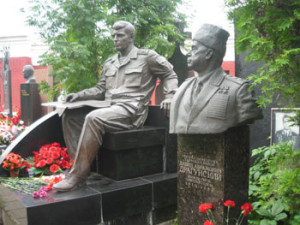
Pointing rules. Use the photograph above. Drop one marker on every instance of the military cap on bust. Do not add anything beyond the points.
(213, 37)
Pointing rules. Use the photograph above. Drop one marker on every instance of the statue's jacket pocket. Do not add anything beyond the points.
(110, 77)
(217, 106)
(133, 77)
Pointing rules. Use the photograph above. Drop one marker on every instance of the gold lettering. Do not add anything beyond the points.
(24, 93)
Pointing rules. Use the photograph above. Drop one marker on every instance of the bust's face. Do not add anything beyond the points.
(26, 73)
(196, 57)
(122, 40)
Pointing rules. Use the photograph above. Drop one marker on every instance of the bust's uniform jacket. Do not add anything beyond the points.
(223, 102)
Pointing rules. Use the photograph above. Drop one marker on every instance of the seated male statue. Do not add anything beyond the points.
(212, 101)
(128, 79)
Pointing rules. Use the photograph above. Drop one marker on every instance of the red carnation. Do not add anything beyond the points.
(57, 179)
(43, 149)
(66, 165)
(53, 168)
(5, 165)
(204, 207)
(229, 203)
(49, 187)
(207, 222)
(65, 155)
(53, 148)
(55, 155)
(247, 208)
(49, 160)
(45, 155)
(41, 163)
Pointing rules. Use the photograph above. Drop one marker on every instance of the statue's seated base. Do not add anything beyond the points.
(132, 153)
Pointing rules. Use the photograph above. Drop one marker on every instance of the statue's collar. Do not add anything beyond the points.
(131, 55)
(216, 76)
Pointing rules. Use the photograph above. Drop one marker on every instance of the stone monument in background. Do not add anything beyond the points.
(210, 113)
(7, 84)
(30, 97)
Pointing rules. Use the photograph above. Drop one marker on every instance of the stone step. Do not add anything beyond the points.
(140, 201)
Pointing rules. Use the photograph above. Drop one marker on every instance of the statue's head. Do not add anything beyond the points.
(208, 47)
(123, 34)
(28, 71)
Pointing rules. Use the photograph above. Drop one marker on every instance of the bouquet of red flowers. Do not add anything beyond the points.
(14, 163)
(207, 208)
(10, 128)
(50, 159)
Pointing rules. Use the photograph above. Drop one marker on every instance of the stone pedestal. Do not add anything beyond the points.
(30, 103)
(212, 168)
(124, 156)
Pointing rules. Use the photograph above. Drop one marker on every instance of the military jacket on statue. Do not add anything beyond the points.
(223, 102)
(131, 82)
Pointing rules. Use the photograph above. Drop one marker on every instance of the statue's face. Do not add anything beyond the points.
(121, 39)
(26, 73)
(197, 57)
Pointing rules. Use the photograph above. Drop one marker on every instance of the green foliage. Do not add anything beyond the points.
(269, 30)
(78, 33)
(275, 185)
(176, 221)
(295, 120)
(272, 215)
(26, 185)
(154, 20)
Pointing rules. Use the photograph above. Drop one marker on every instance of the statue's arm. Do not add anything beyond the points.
(94, 93)
(160, 67)
(248, 109)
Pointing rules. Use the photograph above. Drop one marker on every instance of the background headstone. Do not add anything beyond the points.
(30, 103)
(212, 168)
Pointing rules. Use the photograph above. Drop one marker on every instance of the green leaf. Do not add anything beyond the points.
(264, 212)
(268, 222)
(277, 208)
(280, 216)
(35, 171)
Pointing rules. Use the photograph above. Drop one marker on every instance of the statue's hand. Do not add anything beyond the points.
(166, 105)
(72, 97)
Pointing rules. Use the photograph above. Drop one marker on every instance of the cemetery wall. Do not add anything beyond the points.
(16, 67)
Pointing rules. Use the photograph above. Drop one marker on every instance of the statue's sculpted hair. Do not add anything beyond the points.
(129, 28)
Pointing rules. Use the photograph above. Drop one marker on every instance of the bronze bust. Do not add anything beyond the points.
(28, 73)
(213, 101)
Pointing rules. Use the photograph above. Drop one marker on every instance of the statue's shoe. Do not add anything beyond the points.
(71, 182)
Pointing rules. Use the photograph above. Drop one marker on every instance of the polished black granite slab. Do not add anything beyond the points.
(131, 201)
(136, 138)
(212, 168)
(30, 102)
(132, 153)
